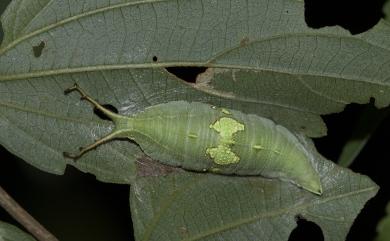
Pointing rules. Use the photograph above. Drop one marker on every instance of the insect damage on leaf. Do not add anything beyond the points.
(222, 154)
(37, 50)
(204, 82)
(225, 111)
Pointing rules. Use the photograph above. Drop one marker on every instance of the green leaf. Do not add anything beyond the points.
(386, 10)
(262, 59)
(365, 126)
(189, 206)
(383, 227)
(9, 232)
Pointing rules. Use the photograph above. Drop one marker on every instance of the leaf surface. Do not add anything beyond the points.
(9, 232)
(212, 207)
(261, 58)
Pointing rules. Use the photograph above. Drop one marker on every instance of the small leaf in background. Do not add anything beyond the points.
(189, 206)
(365, 126)
(386, 10)
(9, 232)
(383, 228)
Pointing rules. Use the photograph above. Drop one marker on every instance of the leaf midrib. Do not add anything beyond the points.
(184, 64)
(36, 74)
(168, 202)
(207, 63)
(279, 212)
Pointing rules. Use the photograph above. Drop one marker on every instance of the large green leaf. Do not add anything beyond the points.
(189, 206)
(262, 59)
(9, 232)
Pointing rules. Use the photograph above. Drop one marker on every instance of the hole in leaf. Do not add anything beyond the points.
(38, 49)
(188, 74)
(372, 101)
(244, 41)
(101, 114)
(155, 59)
(339, 131)
(343, 126)
(306, 231)
(356, 16)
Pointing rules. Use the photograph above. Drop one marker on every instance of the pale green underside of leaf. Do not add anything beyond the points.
(9, 232)
(211, 207)
(263, 59)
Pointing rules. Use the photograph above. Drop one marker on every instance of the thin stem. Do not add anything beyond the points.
(24, 218)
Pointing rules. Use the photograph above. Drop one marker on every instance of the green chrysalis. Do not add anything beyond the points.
(201, 137)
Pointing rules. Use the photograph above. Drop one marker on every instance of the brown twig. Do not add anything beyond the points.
(24, 218)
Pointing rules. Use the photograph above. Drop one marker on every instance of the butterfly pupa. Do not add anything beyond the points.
(200, 137)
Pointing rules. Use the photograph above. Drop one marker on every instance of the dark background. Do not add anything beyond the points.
(76, 207)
